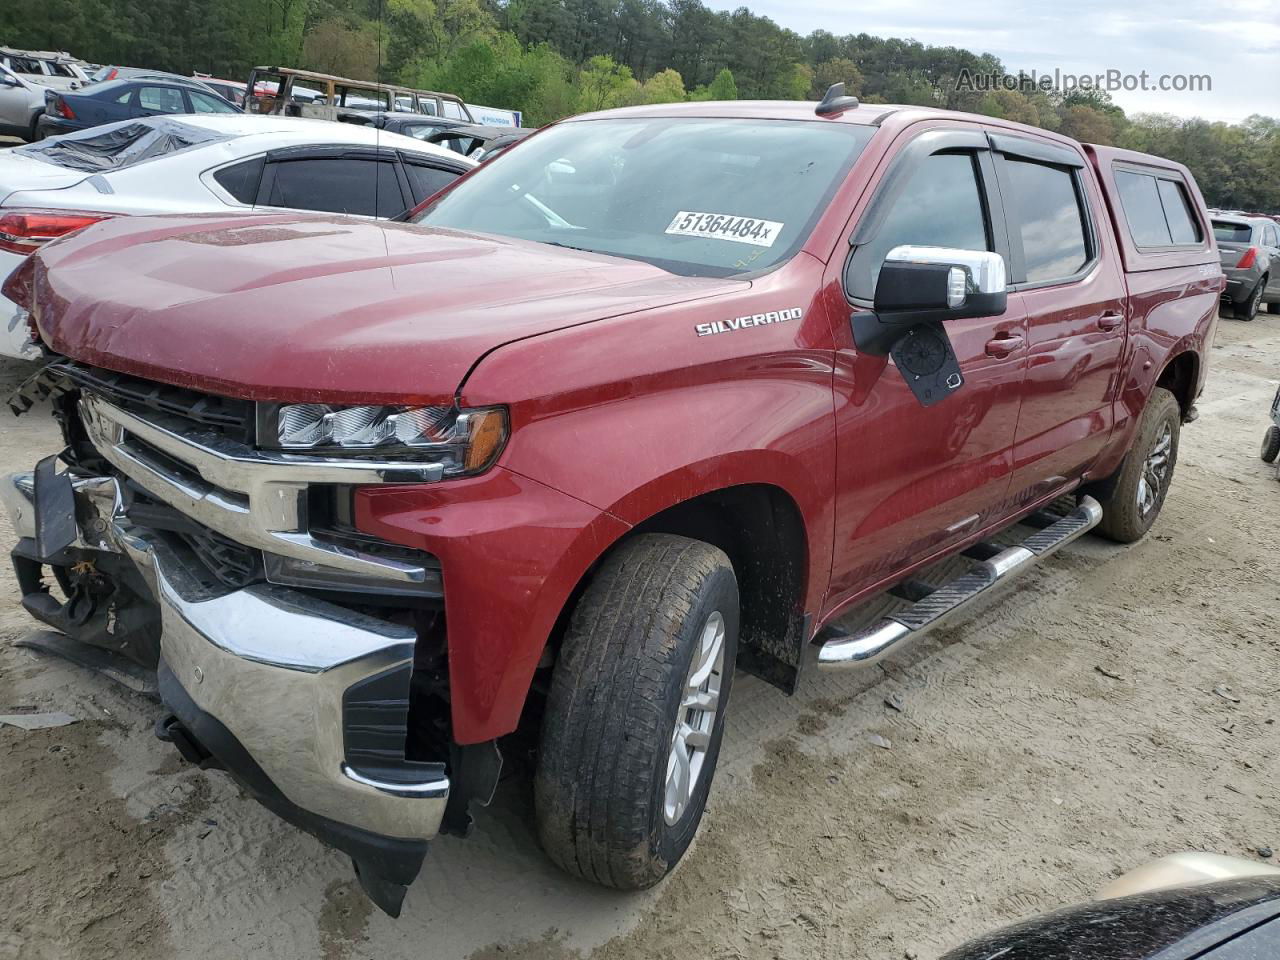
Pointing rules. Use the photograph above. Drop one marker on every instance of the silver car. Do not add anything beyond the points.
(21, 103)
(1249, 248)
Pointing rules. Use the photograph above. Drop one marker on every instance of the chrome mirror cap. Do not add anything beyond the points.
(972, 271)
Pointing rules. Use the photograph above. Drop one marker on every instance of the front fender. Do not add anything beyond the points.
(632, 432)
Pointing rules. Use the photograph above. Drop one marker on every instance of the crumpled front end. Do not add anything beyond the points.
(156, 535)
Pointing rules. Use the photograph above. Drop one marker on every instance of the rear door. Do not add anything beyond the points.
(913, 480)
(1065, 267)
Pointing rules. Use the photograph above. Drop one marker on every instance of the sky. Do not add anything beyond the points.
(1236, 42)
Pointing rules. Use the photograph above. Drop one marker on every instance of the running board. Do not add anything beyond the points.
(843, 651)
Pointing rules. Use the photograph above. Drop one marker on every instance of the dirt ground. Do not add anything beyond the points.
(1065, 732)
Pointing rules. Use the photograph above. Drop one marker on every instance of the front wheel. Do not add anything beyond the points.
(1135, 502)
(636, 711)
(1270, 444)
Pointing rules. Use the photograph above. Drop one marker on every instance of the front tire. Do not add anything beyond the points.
(635, 715)
(1143, 484)
(1270, 444)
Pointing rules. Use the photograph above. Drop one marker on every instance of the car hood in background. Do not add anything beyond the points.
(1173, 924)
(315, 308)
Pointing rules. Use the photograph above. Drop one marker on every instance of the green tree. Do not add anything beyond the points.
(723, 86)
(836, 70)
(602, 83)
(664, 87)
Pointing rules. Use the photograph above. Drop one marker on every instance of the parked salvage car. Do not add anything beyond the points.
(664, 391)
(469, 139)
(21, 104)
(53, 69)
(204, 164)
(114, 100)
(1189, 906)
(232, 91)
(1250, 251)
(480, 142)
(1270, 452)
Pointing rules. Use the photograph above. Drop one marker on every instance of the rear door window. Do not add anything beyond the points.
(161, 100)
(350, 185)
(1046, 208)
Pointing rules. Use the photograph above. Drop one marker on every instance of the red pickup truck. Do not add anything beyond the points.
(659, 392)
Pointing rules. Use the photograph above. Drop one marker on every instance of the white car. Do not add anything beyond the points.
(57, 70)
(203, 163)
(21, 103)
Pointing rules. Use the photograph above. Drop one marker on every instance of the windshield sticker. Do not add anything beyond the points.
(721, 226)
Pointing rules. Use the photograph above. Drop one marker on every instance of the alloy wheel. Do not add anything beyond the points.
(695, 720)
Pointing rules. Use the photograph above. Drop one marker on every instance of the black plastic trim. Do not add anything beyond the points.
(1035, 150)
(385, 865)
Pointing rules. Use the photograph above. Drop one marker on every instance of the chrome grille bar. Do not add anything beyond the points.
(256, 498)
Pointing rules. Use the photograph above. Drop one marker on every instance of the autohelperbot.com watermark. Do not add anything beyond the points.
(1109, 81)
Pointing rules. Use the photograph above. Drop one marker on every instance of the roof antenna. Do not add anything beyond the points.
(836, 102)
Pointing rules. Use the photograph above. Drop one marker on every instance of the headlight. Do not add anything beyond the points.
(465, 441)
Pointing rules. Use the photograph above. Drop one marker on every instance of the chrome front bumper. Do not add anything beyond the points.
(274, 666)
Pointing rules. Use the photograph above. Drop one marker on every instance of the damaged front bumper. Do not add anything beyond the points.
(304, 702)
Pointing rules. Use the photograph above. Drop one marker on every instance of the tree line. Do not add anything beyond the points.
(553, 58)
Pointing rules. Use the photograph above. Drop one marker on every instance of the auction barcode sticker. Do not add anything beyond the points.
(722, 226)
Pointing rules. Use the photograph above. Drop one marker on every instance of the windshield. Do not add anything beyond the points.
(699, 196)
(1232, 232)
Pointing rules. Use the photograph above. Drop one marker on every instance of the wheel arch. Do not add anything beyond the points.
(761, 528)
(1181, 377)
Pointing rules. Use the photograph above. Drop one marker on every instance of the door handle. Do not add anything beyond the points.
(1001, 347)
(1109, 321)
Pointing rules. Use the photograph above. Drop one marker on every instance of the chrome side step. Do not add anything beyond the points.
(871, 643)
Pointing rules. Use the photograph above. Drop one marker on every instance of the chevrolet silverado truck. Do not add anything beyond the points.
(659, 392)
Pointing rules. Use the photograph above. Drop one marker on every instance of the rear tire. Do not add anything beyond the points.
(1143, 484)
(1271, 444)
(34, 133)
(620, 786)
(1247, 309)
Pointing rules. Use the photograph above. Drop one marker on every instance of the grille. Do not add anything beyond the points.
(231, 417)
(231, 563)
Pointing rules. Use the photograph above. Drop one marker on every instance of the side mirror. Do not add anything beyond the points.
(922, 284)
(7, 80)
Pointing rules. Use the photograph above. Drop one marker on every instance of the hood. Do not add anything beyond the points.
(313, 308)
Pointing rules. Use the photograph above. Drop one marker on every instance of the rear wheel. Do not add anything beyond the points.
(636, 710)
(1271, 444)
(34, 133)
(1143, 484)
(1247, 309)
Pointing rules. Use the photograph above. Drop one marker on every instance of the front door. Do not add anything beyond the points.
(912, 480)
